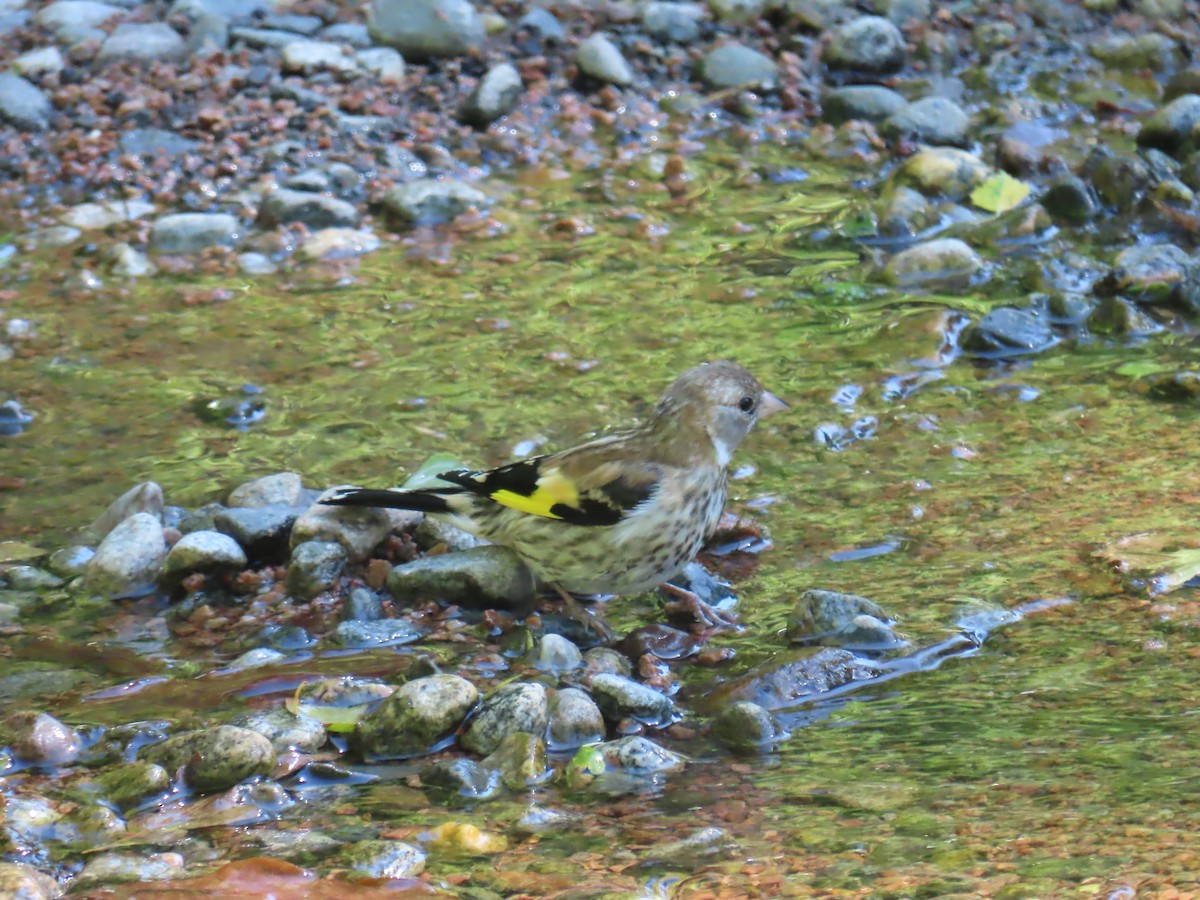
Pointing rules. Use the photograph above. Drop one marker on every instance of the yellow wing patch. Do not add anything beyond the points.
(552, 488)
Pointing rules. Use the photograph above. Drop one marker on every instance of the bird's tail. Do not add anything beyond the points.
(429, 500)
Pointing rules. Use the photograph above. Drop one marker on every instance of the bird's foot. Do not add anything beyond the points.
(706, 614)
(586, 618)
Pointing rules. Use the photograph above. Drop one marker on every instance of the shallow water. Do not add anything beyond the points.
(1058, 760)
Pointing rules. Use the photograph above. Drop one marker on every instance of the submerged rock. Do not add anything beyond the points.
(462, 776)
(789, 677)
(619, 698)
(213, 759)
(844, 620)
(1006, 331)
(575, 719)
(945, 262)
(381, 859)
(429, 201)
(520, 759)
(744, 725)
(40, 738)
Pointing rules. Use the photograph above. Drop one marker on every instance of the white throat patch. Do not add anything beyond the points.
(724, 452)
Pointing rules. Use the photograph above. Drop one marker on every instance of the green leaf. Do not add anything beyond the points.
(1155, 563)
(999, 193)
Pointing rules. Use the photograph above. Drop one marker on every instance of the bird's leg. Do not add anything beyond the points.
(706, 614)
(584, 617)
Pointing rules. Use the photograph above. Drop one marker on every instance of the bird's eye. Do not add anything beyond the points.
(746, 404)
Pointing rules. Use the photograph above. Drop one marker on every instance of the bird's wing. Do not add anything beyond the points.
(560, 488)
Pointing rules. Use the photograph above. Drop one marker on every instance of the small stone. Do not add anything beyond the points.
(943, 171)
(128, 784)
(124, 260)
(381, 859)
(733, 65)
(130, 559)
(315, 567)
(623, 698)
(353, 34)
(638, 755)
(942, 262)
(262, 531)
(378, 633)
(575, 720)
(488, 577)
(205, 552)
(423, 29)
(338, 243)
(41, 739)
(736, 10)
(213, 759)
(42, 61)
(934, 120)
(866, 102)
(747, 726)
(555, 654)
(306, 57)
(870, 44)
(193, 232)
(464, 777)
(429, 201)
(24, 882)
(599, 58)
(22, 104)
(285, 730)
(358, 529)
(511, 709)
(386, 64)
(283, 207)
(138, 41)
(282, 487)
(1006, 331)
(675, 22)
(1069, 197)
(1174, 126)
(417, 718)
(496, 94)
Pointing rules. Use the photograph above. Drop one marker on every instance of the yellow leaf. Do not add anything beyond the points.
(999, 193)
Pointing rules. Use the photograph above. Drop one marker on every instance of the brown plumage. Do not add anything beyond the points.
(616, 515)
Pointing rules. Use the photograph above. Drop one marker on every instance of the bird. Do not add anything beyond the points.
(619, 514)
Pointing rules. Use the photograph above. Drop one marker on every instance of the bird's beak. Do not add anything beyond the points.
(770, 404)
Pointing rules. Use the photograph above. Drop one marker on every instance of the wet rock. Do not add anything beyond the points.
(942, 171)
(206, 552)
(639, 755)
(285, 730)
(381, 859)
(354, 34)
(30, 578)
(284, 207)
(386, 64)
(315, 567)
(428, 201)
(22, 104)
(1173, 128)
(256, 264)
(263, 38)
(867, 102)
(733, 65)
(555, 654)
(544, 820)
(599, 58)
(747, 726)
(903, 12)
(213, 759)
(72, 21)
(362, 605)
(605, 660)
(418, 717)
(130, 559)
(1154, 274)
(945, 262)
(1118, 316)
(934, 120)
(24, 882)
(488, 577)
(1070, 198)
(125, 868)
(1006, 331)
(1128, 52)
(433, 534)
(379, 633)
(421, 29)
(259, 656)
(869, 45)
(193, 232)
(674, 22)
(623, 698)
(496, 94)
(510, 709)
(90, 216)
(125, 261)
(39, 62)
(789, 677)
(41, 739)
(1185, 81)
(575, 719)
(282, 487)
(520, 759)
(129, 784)
(142, 42)
(660, 640)
(306, 57)
(1119, 179)
(262, 531)
(542, 22)
(358, 529)
(462, 776)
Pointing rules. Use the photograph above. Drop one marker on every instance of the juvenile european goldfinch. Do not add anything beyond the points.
(619, 514)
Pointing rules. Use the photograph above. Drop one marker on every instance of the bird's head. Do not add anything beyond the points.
(718, 400)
